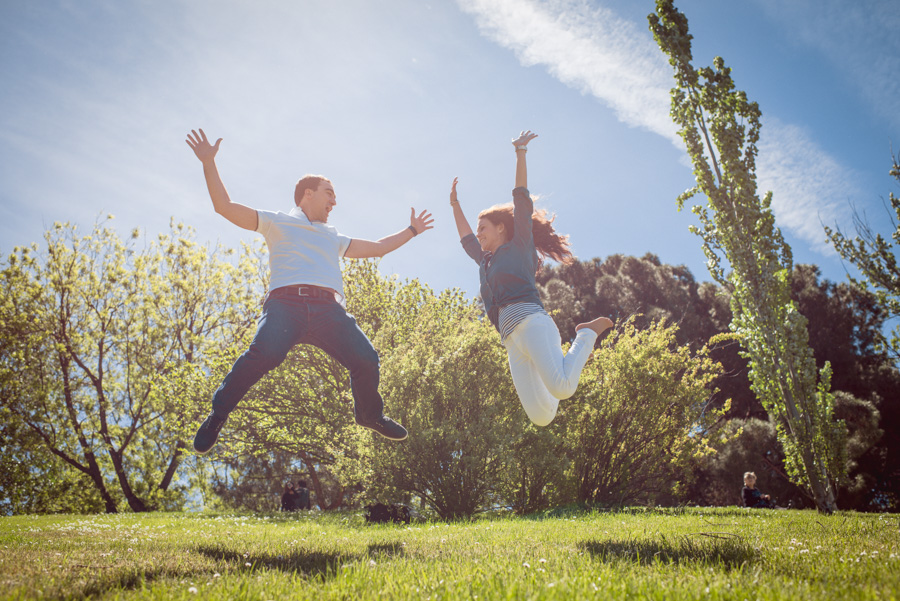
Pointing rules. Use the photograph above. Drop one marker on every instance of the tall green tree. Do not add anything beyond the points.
(93, 328)
(720, 128)
(876, 259)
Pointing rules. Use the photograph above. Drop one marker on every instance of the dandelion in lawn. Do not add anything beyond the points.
(526, 565)
(542, 560)
(193, 590)
(248, 564)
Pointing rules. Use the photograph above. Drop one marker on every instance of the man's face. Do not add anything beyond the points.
(317, 204)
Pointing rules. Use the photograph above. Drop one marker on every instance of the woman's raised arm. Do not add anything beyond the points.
(521, 144)
(462, 224)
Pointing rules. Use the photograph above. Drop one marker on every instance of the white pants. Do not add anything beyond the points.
(541, 373)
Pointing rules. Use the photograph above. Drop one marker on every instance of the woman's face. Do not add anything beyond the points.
(490, 236)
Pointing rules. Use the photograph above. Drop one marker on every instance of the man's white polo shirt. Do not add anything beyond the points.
(301, 251)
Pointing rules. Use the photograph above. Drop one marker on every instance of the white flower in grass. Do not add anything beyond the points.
(248, 564)
(526, 565)
(371, 563)
(217, 575)
(542, 560)
(193, 590)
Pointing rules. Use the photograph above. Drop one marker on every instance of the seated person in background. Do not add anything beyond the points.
(302, 498)
(752, 496)
(288, 497)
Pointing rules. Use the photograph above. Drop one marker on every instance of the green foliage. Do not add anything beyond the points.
(95, 334)
(647, 289)
(720, 129)
(471, 448)
(876, 259)
(445, 377)
(743, 445)
(639, 416)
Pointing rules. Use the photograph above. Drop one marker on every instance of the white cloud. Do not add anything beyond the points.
(809, 186)
(588, 48)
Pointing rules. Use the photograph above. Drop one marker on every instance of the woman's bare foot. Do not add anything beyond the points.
(599, 325)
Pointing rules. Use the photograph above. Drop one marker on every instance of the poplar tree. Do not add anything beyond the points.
(720, 128)
(876, 259)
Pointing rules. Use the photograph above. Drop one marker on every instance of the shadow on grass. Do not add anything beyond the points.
(387, 550)
(705, 549)
(308, 563)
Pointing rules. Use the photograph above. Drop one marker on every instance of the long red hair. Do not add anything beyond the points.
(547, 241)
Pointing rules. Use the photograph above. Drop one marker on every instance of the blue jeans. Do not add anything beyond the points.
(288, 320)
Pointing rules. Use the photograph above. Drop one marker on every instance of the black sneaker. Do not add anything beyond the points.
(208, 433)
(386, 427)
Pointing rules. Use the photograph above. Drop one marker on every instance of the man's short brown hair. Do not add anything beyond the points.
(308, 182)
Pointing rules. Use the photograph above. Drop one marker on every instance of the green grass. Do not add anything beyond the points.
(725, 553)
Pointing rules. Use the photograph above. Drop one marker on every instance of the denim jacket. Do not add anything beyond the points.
(507, 275)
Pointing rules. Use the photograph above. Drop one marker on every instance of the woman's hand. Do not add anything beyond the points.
(453, 198)
(524, 138)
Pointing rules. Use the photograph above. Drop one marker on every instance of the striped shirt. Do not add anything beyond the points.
(513, 314)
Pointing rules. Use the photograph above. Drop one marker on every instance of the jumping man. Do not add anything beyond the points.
(304, 304)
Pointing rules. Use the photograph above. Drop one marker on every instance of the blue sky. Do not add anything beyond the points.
(393, 99)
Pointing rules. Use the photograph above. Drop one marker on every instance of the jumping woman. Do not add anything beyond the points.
(511, 244)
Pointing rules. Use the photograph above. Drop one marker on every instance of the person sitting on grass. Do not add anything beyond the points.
(752, 495)
(302, 501)
(288, 497)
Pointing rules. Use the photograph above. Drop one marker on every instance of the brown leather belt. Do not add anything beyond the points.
(307, 291)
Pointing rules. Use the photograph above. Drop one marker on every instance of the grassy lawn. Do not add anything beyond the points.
(725, 553)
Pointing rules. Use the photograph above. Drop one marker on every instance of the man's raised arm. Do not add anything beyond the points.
(238, 214)
(366, 249)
